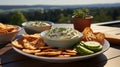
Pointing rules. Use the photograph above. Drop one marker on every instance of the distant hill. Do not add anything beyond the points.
(7, 7)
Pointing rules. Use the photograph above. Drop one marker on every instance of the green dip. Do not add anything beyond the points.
(62, 33)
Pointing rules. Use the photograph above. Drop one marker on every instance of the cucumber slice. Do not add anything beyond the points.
(82, 44)
(83, 51)
(97, 49)
(93, 45)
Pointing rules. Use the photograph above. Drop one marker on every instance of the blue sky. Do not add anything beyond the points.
(55, 2)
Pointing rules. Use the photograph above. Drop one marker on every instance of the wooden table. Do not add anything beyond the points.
(110, 58)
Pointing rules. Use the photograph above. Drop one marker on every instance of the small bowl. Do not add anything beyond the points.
(60, 43)
(33, 29)
(8, 37)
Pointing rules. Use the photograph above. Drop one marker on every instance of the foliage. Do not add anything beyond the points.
(81, 13)
(64, 19)
(58, 15)
(17, 18)
(102, 17)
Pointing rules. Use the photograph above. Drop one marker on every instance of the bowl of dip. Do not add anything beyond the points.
(61, 37)
(37, 26)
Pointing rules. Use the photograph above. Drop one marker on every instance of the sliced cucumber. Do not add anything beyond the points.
(93, 45)
(97, 49)
(83, 51)
(82, 44)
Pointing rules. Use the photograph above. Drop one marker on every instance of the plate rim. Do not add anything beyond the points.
(106, 47)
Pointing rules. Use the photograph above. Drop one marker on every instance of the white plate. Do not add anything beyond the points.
(64, 60)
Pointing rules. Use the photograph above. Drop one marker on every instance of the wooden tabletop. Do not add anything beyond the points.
(110, 58)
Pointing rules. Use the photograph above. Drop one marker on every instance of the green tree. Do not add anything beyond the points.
(64, 19)
(17, 18)
(102, 17)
